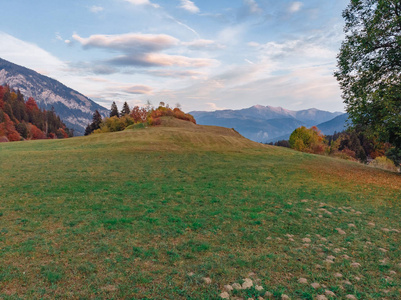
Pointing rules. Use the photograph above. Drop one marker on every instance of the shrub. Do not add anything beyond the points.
(383, 162)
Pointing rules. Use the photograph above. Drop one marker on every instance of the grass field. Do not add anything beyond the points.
(179, 212)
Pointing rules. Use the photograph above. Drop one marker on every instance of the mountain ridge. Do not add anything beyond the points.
(264, 123)
(74, 108)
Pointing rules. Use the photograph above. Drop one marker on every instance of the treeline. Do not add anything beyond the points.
(23, 120)
(352, 144)
(120, 120)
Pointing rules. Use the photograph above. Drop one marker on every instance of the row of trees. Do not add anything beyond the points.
(119, 120)
(353, 144)
(20, 119)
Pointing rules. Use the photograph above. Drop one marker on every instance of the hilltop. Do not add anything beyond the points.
(181, 211)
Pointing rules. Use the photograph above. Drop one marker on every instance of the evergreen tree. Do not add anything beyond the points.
(96, 121)
(114, 110)
(126, 110)
(88, 130)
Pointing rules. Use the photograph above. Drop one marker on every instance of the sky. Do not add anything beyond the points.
(202, 54)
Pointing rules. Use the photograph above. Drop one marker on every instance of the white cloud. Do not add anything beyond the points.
(29, 55)
(253, 7)
(202, 44)
(189, 6)
(138, 90)
(143, 2)
(96, 9)
(131, 42)
(295, 7)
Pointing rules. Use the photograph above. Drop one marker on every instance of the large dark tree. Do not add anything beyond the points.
(96, 122)
(126, 110)
(369, 68)
(114, 110)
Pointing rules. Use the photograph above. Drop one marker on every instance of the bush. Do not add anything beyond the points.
(383, 162)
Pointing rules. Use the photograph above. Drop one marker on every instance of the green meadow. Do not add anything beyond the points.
(182, 211)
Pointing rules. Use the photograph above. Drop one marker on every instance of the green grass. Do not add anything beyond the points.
(131, 214)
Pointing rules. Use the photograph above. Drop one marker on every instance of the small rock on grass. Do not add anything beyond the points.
(340, 231)
(247, 283)
(259, 288)
(237, 286)
(321, 297)
(303, 280)
(228, 288)
(315, 285)
(225, 295)
(355, 265)
(284, 297)
(352, 297)
(306, 240)
(329, 293)
(371, 224)
(338, 275)
(268, 294)
(207, 280)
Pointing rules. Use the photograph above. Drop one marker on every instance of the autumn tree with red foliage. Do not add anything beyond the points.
(22, 120)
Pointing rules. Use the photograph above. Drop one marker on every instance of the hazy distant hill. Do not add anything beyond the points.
(74, 109)
(264, 123)
(338, 124)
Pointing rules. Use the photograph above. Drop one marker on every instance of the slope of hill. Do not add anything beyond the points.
(74, 109)
(263, 123)
(180, 211)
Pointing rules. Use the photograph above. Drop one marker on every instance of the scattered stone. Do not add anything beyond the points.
(315, 285)
(268, 294)
(237, 286)
(289, 235)
(395, 230)
(250, 298)
(383, 250)
(358, 213)
(388, 278)
(338, 275)
(279, 239)
(385, 229)
(337, 250)
(251, 274)
(323, 239)
(368, 243)
(340, 231)
(329, 293)
(190, 274)
(357, 278)
(321, 297)
(284, 297)
(247, 283)
(304, 201)
(228, 288)
(259, 288)
(303, 280)
(207, 280)
(260, 298)
(351, 225)
(393, 272)
(371, 224)
(318, 267)
(331, 257)
(347, 282)
(291, 240)
(350, 297)
(345, 256)
(320, 216)
(355, 265)
(329, 261)
(225, 295)
(268, 238)
(308, 209)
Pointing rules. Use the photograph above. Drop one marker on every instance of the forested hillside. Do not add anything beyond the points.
(20, 119)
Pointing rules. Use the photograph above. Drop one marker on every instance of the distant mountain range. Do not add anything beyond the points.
(74, 109)
(269, 124)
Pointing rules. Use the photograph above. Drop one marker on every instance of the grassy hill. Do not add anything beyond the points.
(150, 213)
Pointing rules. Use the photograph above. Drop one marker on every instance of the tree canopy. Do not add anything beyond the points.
(369, 67)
